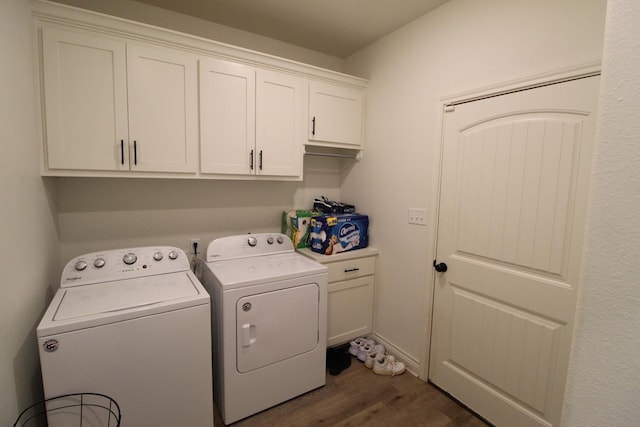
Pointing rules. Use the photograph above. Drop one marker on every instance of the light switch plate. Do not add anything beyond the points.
(418, 216)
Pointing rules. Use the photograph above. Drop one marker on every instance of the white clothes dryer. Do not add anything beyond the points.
(135, 325)
(269, 322)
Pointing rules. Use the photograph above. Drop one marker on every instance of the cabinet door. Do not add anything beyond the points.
(85, 101)
(350, 310)
(227, 117)
(163, 109)
(279, 134)
(335, 114)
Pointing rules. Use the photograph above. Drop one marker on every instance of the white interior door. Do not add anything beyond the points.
(512, 206)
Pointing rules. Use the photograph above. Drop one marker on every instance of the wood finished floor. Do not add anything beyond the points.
(358, 397)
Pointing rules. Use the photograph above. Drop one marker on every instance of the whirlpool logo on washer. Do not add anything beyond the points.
(50, 345)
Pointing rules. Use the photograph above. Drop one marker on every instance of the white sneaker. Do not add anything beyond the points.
(367, 349)
(357, 343)
(387, 365)
(371, 359)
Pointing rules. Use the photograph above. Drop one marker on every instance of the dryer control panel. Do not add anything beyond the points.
(120, 264)
(248, 245)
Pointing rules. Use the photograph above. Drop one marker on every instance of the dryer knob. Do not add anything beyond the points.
(173, 255)
(270, 240)
(280, 240)
(157, 256)
(99, 262)
(80, 265)
(252, 241)
(129, 258)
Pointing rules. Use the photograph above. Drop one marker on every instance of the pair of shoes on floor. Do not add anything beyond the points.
(362, 348)
(357, 343)
(337, 360)
(385, 364)
(374, 357)
(388, 365)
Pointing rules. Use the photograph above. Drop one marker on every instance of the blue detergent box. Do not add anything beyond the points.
(332, 234)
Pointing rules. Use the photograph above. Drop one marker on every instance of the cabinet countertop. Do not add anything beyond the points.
(343, 256)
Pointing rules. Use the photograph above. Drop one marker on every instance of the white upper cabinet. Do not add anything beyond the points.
(85, 101)
(279, 124)
(124, 99)
(227, 117)
(163, 109)
(114, 106)
(335, 115)
(250, 120)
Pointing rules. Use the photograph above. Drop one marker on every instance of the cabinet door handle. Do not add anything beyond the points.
(313, 127)
(260, 164)
(251, 160)
(135, 153)
(122, 151)
(351, 270)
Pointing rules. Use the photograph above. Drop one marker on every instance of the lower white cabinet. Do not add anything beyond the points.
(351, 293)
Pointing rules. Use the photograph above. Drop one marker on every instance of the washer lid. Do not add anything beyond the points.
(249, 271)
(92, 305)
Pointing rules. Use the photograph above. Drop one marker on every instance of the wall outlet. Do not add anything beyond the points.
(191, 243)
(417, 216)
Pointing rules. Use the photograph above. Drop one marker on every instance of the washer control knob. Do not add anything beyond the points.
(80, 265)
(157, 256)
(99, 262)
(280, 240)
(270, 240)
(173, 255)
(252, 241)
(129, 258)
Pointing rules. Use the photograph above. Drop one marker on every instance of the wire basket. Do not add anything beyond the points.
(70, 410)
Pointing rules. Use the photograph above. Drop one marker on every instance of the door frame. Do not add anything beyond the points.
(450, 101)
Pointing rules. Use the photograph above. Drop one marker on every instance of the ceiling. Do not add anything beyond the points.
(334, 27)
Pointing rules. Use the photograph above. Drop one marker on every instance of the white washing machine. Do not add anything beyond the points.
(135, 325)
(269, 322)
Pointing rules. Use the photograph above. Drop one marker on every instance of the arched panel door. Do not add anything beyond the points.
(512, 208)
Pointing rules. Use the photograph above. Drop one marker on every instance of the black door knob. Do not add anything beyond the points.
(440, 268)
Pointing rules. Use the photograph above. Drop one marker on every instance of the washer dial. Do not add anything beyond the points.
(129, 258)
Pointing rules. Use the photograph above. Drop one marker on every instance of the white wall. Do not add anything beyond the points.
(29, 258)
(107, 213)
(462, 45)
(604, 377)
(152, 15)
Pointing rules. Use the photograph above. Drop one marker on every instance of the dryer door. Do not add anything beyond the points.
(275, 326)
